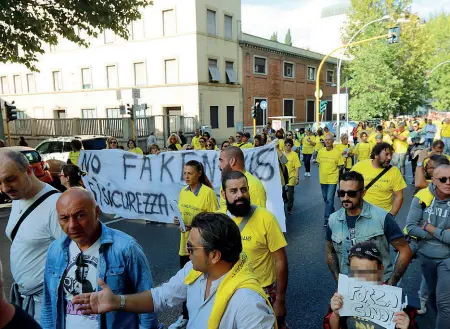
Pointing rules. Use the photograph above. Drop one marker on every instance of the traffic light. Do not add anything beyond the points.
(323, 106)
(255, 109)
(11, 112)
(393, 35)
(130, 111)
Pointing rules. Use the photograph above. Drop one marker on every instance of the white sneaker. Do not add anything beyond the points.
(180, 324)
(306, 174)
(423, 307)
(309, 174)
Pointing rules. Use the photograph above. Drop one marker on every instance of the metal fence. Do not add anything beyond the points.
(108, 127)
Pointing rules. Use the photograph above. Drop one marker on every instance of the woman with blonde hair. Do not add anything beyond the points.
(174, 143)
(154, 149)
(112, 143)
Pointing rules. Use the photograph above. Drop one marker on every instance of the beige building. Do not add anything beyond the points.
(184, 56)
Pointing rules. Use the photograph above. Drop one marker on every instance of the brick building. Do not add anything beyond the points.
(285, 77)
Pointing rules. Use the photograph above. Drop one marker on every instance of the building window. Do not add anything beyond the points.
(228, 27)
(113, 113)
(57, 82)
(111, 76)
(31, 84)
(171, 71)
(214, 74)
(5, 87)
(310, 111)
(214, 116)
(330, 76)
(261, 116)
(88, 114)
(260, 65)
(17, 84)
(230, 116)
(169, 26)
(137, 30)
(230, 73)
(288, 70)
(21, 114)
(109, 36)
(311, 73)
(139, 74)
(86, 78)
(288, 108)
(52, 48)
(211, 18)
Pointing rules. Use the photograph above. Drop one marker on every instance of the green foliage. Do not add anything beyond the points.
(385, 79)
(28, 24)
(274, 36)
(288, 38)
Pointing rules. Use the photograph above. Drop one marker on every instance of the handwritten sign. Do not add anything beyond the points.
(369, 301)
(144, 187)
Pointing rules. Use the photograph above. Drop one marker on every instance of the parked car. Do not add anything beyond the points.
(40, 167)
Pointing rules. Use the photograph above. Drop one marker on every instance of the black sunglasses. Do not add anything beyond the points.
(351, 194)
(443, 180)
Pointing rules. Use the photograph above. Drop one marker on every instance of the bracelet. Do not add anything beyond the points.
(425, 227)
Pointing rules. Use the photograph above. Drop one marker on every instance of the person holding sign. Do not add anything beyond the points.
(366, 265)
(174, 143)
(197, 197)
(217, 284)
(133, 148)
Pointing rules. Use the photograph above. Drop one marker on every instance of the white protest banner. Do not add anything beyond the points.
(369, 301)
(143, 187)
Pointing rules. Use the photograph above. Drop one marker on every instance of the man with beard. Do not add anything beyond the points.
(232, 159)
(359, 221)
(262, 240)
(384, 183)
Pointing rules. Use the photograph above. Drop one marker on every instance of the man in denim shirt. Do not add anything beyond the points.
(88, 252)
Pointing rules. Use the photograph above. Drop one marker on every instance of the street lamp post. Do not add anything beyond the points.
(338, 124)
(431, 72)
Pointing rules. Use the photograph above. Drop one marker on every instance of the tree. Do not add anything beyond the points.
(274, 36)
(385, 79)
(28, 24)
(288, 38)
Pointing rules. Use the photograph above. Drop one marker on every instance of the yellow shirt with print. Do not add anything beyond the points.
(292, 164)
(307, 147)
(190, 205)
(319, 143)
(348, 162)
(329, 161)
(196, 142)
(399, 145)
(136, 150)
(73, 157)
(261, 237)
(256, 189)
(363, 150)
(382, 192)
(445, 132)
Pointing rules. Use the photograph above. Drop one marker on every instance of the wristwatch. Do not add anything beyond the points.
(122, 302)
(419, 164)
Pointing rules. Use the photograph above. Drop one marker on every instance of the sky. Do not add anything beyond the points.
(303, 17)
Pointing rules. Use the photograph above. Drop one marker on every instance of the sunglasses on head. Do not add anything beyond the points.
(443, 180)
(350, 193)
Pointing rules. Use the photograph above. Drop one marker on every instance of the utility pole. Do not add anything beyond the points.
(2, 126)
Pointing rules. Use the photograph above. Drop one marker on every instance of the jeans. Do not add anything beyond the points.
(398, 160)
(328, 193)
(437, 276)
(307, 162)
(429, 142)
(290, 197)
(446, 141)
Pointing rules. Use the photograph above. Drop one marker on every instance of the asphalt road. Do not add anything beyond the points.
(310, 282)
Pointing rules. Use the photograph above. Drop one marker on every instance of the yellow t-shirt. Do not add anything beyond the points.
(347, 161)
(363, 150)
(190, 205)
(399, 145)
(445, 132)
(196, 142)
(329, 161)
(307, 147)
(257, 192)
(292, 164)
(319, 144)
(281, 145)
(73, 157)
(243, 145)
(136, 150)
(372, 140)
(261, 237)
(382, 192)
(422, 124)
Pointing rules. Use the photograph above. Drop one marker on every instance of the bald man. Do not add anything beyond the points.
(89, 251)
(32, 227)
(232, 159)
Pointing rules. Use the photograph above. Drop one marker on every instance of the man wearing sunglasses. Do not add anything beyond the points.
(359, 221)
(429, 221)
(89, 251)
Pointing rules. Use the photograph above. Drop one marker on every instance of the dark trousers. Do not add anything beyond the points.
(290, 196)
(183, 261)
(414, 166)
(355, 140)
(307, 162)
